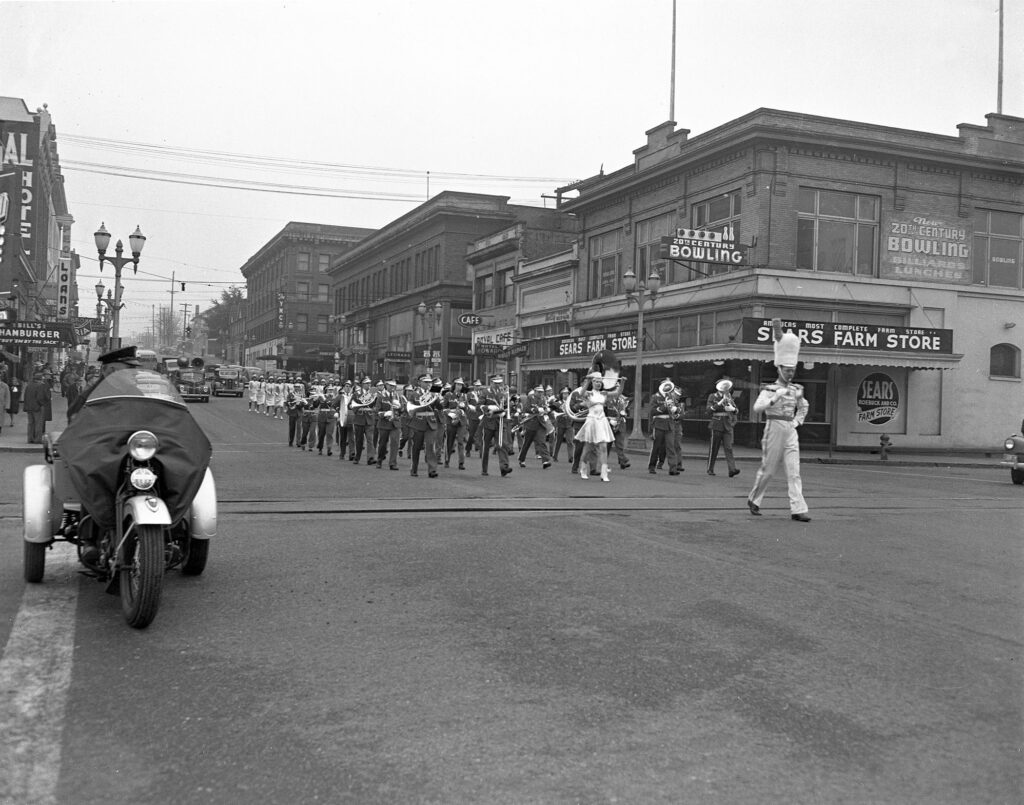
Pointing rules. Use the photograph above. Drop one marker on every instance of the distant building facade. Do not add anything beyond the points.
(896, 255)
(288, 324)
(399, 294)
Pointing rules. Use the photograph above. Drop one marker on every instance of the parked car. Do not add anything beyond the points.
(1014, 456)
(192, 384)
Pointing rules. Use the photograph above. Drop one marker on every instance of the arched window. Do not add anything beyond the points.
(1004, 361)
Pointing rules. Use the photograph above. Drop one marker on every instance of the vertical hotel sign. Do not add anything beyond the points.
(18, 152)
(923, 248)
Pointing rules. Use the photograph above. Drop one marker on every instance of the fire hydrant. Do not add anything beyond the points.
(884, 444)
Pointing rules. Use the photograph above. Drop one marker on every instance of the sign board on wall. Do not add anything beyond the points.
(842, 335)
(38, 333)
(703, 246)
(878, 399)
(923, 248)
(587, 345)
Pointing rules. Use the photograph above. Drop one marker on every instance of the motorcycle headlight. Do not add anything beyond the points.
(1010, 444)
(143, 478)
(142, 445)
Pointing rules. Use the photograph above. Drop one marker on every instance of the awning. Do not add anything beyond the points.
(840, 357)
(763, 352)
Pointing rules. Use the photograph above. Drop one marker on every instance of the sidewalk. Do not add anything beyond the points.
(15, 439)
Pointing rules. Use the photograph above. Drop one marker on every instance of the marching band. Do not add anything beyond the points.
(437, 422)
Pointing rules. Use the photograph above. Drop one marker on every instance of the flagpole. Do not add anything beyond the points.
(672, 95)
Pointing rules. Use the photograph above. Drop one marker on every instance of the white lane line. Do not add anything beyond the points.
(35, 676)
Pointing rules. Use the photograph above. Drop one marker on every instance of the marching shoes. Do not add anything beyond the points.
(800, 518)
(604, 473)
(754, 508)
(733, 473)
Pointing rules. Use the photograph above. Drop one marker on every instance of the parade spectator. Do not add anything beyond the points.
(5, 399)
(37, 407)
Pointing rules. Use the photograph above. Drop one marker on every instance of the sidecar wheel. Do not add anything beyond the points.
(1017, 476)
(198, 553)
(142, 575)
(35, 562)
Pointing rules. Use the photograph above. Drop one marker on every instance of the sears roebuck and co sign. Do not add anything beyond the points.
(839, 335)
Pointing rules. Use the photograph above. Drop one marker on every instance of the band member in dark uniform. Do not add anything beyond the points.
(390, 406)
(473, 398)
(365, 423)
(423, 423)
(722, 409)
(496, 425)
(564, 430)
(616, 407)
(535, 424)
(457, 426)
(326, 420)
(664, 406)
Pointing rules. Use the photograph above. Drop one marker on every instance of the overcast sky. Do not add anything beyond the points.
(513, 98)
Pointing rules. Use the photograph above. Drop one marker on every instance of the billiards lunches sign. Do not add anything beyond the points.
(850, 336)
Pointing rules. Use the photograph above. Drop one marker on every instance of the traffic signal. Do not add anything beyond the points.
(188, 332)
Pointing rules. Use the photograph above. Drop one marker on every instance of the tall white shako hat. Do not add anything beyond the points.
(787, 345)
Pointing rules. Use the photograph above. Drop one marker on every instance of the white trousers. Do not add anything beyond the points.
(780, 445)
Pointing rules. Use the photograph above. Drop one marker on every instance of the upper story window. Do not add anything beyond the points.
(605, 264)
(1004, 361)
(322, 324)
(301, 323)
(323, 292)
(302, 291)
(302, 262)
(998, 243)
(323, 263)
(836, 232)
(503, 291)
(648, 242)
(715, 215)
(483, 291)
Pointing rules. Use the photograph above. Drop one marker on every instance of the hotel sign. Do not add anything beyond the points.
(704, 246)
(838, 335)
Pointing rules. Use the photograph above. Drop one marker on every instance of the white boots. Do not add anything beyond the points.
(604, 473)
(583, 472)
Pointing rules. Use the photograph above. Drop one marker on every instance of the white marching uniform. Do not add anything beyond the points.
(784, 407)
(596, 428)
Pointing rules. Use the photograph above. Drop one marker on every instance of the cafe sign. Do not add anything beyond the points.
(38, 333)
(841, 335)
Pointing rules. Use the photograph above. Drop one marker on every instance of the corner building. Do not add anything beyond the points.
(896, 255)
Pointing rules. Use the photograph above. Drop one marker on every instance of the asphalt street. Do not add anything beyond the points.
(363, 636)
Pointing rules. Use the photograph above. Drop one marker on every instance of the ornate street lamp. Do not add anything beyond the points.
(437, 310)
(135, 242)
(639, 292)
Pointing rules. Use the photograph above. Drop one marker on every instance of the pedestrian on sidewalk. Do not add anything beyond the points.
(15, 402)
(5, 399)
(37, 407)
(784, 406)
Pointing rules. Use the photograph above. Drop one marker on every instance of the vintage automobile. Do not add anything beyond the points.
(1013, 457)
(228, 382)
(192, 384)
(128, 482)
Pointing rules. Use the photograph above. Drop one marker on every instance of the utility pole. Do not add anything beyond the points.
(184, 323)
(172, 293)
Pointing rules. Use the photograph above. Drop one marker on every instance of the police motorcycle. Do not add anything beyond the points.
(128, 482)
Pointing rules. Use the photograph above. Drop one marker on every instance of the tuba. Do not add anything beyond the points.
(427, 400)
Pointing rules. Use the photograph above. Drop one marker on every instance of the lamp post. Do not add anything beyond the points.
(106, 316)
(431, 315)
(136, 241)
(639, 292)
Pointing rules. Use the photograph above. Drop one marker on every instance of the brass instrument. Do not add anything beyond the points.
(426, 400)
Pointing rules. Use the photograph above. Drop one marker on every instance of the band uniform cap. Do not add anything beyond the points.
(497, 379)
(122, 355)
(347, 383)
(565, 390)
(446, 387)
(787, 349)
(390, 383)
(426, 379)
(724, 386)
(380, 383)
(458, 380)
(539, 389)
(477, 384)
(549, 388)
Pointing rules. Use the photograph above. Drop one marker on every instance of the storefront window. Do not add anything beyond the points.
(998, 245)
(836, 232)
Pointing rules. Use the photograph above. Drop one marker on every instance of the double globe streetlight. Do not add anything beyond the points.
(639, 292)
(431, 315)
(136, 241)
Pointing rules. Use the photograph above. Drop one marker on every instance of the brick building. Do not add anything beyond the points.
(398, 295)
(896, 254)
(287, 325)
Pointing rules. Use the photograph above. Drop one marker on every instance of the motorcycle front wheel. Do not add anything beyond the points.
(142, 575)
